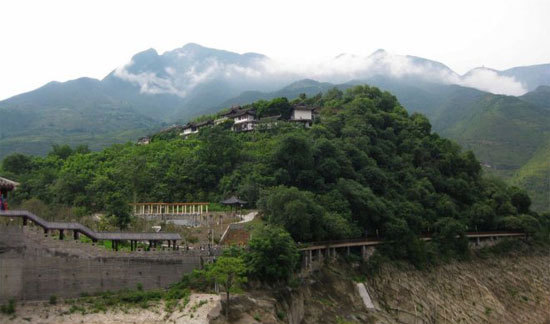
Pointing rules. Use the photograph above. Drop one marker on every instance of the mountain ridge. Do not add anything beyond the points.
(153, 90)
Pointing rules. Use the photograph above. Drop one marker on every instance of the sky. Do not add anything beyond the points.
(43, 41)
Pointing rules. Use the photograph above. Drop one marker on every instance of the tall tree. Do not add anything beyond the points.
(230, 273)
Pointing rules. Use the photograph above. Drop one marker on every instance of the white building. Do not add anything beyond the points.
(189, 129)
(302, 114)
(193, 128)
(144, 141)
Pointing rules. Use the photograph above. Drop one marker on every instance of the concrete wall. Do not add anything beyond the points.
(29, 271)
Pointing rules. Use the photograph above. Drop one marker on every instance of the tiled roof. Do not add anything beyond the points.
(7, 184)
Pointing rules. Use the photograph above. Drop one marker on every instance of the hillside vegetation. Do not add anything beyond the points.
(506, 133)
(366, 167)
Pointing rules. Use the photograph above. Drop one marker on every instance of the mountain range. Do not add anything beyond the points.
(503, 116)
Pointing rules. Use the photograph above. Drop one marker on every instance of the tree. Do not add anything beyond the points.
(61, 151)
(272, 254)
(295, 210)
(228, 272)
(118, 210)
(520, 200)
(450, 234)
(17, 164)
(293, 161)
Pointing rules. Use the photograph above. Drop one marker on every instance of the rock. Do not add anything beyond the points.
(215, 312)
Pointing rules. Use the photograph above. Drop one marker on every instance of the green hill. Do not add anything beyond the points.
(366, 165)
(76, 112)
(535, 176)
(504, 132)
(539, 97)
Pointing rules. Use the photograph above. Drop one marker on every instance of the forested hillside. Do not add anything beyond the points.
(366, 165)
(507, 134)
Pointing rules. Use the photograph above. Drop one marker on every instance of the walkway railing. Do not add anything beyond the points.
(77, 228)
(378, 241)
(160, 208)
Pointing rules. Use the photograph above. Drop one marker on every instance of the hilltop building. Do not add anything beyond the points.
(245, 120)
(144, 140)
(302, 114)
(193, 128)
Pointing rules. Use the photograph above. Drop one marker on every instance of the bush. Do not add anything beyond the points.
(53, 300)
(9, 308)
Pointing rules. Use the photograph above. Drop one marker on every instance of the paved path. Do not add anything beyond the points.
(248, 217)
(95, 236)
(365, 295)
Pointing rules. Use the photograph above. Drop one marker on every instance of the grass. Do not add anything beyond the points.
(101, 302)
(340, 320)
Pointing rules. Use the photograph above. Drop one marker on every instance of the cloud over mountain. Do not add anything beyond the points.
(492, 81)
(180, 71)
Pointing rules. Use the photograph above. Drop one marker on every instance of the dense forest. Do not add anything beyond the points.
(365, 167)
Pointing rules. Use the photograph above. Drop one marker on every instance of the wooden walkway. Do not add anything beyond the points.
(376, 241)
(316, 252)
(77, 228)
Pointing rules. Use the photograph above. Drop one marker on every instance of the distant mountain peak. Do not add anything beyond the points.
(192, 46)
(480, 69)
(379, 51)
(148, 53)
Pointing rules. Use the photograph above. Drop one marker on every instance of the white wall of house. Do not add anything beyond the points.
(243, 118)
(189, 131)
(299, 114)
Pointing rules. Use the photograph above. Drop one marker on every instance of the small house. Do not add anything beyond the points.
(302, 114)
(144, 140)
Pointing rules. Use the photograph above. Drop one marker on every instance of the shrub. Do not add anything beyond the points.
(53, 300)
(9, 308)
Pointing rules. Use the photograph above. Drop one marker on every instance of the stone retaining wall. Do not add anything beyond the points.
(30, 270)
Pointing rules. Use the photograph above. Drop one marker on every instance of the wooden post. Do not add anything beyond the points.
(75, 235)
(24, 221)
(61, 235)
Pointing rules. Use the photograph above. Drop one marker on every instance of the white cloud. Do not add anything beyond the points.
(491, 81)
(181, 78)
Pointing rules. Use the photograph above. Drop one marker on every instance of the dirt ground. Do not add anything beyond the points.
(195, 312)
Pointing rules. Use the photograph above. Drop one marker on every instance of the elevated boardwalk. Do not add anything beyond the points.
(377, 241)
(318, 251)
(77, 228)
